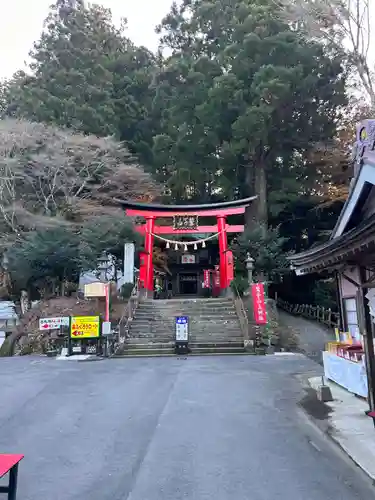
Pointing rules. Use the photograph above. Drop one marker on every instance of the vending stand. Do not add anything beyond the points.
(344, 364)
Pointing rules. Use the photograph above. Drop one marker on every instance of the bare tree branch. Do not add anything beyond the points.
(345, 27)
(48, 175)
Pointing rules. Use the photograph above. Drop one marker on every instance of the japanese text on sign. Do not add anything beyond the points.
(206, 278)
(259, 304)
(53, 323)
(185, 222)
(85, 327)
(182, 328)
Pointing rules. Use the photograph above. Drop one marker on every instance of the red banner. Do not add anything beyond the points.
(259, 304)
(206, 278)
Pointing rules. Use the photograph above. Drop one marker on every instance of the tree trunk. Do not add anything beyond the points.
(256, 180)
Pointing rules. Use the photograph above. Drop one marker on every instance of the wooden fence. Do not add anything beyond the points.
(315, 313)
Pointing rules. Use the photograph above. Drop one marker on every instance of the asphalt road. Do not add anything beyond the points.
(313, 336)
(217, 428)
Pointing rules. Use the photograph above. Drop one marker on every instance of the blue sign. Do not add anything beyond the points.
(182, 320)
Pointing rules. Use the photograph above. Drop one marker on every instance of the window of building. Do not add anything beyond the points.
(351, 317)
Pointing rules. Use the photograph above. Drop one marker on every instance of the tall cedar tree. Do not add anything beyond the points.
(244, 97)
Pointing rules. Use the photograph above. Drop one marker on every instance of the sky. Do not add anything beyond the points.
(21, 23)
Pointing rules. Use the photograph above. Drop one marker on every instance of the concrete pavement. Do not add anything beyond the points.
(349, 426)
(202, 428)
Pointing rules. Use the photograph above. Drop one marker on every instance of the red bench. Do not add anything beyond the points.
(9, 463)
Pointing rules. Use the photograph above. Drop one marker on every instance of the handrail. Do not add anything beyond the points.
(242, 315)
(316, 313)
(128, 315)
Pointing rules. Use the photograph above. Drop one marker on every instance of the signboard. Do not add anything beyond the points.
(259, 303)
(129, 250)
(188, 259)
(106, 328)
(206, 278)
(97, 289)
(182, 328)
(53, 323)
(85, 327)
(185, 222)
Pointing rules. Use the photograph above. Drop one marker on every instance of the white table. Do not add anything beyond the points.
(348, 374)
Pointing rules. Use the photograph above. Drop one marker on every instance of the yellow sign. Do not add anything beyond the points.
(85, 327)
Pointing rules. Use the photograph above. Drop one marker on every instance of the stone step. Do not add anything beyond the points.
(218, 300)
(169, 350)
(217, 350)
(186, 308)
(165, 344)
(213, 327)
(168, 304)
(192, 332)
(193, 318)
(192, 335)
(193, 342)
(147, 352)
(191, 313)
(140, 353)
(192, 328)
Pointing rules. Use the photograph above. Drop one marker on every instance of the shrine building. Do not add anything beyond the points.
(195, 240)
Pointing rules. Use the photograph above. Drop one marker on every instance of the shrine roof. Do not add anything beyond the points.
(353, 237)
(355, 246)
(156, 210)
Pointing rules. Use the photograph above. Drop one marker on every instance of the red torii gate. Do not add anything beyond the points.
(152, 211)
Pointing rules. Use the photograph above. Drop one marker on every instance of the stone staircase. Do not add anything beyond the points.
(213, 327)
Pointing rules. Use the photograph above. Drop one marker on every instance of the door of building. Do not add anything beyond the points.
(188, 283)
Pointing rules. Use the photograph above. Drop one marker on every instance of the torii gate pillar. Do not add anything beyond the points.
(219, 210)
(149, 247)
(223, 248)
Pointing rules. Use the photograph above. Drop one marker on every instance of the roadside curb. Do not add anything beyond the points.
(338, 437)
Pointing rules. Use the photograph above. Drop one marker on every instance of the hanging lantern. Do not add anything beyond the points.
(168, 245)
(176, 247)
(203, 244)
(185, 248)
(195, 246)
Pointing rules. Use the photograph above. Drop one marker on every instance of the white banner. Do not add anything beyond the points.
(129, 250)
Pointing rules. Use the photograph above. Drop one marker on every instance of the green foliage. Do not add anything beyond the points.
(325, 294)
(240, 284)
(105, 234)
(243, 103)
(266, 248)
(60, 254)
(57, 213)
(86, 75)
(126, 290)
(44, 254)
(245, 97)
